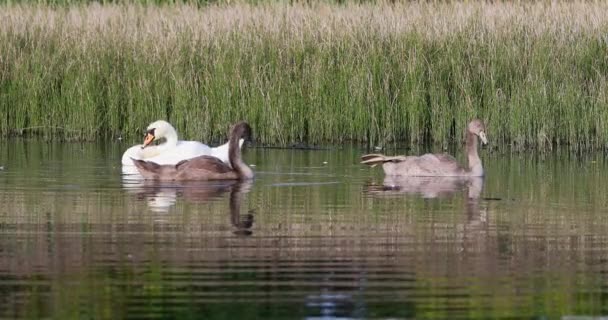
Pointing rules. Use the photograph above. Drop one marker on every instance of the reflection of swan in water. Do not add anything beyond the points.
(428, 187)
(435, 187)
(473, 227)
(161, 196)
(242, 223)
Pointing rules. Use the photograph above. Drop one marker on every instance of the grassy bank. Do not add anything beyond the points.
(312, 73)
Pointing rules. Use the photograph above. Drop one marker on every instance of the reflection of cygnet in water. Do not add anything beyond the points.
(428, 187)
(475, 185)
(161, 196)
(242, 223)
(472, 228)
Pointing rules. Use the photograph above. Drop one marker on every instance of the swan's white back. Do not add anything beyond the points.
(182, 151)
(167, 153)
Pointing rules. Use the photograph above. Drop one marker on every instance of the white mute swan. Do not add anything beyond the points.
(204, 167)
(172, 150)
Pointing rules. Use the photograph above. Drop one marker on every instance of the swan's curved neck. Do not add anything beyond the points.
(234, 155)
(170, 137)
(475, 166)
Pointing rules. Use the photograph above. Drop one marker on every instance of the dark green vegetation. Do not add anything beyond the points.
(309, 73)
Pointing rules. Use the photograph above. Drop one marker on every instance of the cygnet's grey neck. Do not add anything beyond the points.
(475, 166)
(236, 161)
(171, 138)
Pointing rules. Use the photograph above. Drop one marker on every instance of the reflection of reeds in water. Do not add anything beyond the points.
(320, 72)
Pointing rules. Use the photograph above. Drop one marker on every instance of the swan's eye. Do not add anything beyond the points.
(150, 132)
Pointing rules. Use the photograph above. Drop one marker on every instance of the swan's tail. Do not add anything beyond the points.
(146, 165)
(154, 171)
(375, 159)
(149, 169)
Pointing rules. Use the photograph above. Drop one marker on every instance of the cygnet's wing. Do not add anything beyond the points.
(438, 164)
(205, 163)
(374, 159)
(199, 168)
(428, 165)
(152, 170)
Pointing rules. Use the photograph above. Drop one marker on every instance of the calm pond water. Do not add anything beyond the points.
(315, 235)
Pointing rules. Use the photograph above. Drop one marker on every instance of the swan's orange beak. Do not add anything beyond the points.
(148, 139)
(482, 136)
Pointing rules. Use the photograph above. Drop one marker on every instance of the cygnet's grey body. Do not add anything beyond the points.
(435, 165)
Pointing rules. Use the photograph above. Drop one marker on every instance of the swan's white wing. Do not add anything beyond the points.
(136, 152)
(184, 150)
(188, 148)
(221, 152)
(132, 153)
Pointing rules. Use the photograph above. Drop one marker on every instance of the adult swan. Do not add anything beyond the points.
(204, 167)
(172, 150)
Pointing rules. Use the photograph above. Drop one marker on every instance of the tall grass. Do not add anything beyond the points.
(374, 73)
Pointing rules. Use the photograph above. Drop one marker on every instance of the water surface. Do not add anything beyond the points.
(315, 235)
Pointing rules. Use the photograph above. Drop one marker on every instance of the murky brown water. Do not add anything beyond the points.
(314, 236)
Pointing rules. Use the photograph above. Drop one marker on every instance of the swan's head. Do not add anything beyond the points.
(156, 130)
(477, 128)
(243, 131)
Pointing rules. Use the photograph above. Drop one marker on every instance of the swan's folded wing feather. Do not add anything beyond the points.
(206, 163)
(438, 164)
(445, 158)
(371, 156)
(146, 165)
(374, 159)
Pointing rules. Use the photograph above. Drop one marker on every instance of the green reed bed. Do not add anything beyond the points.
(317, 73)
